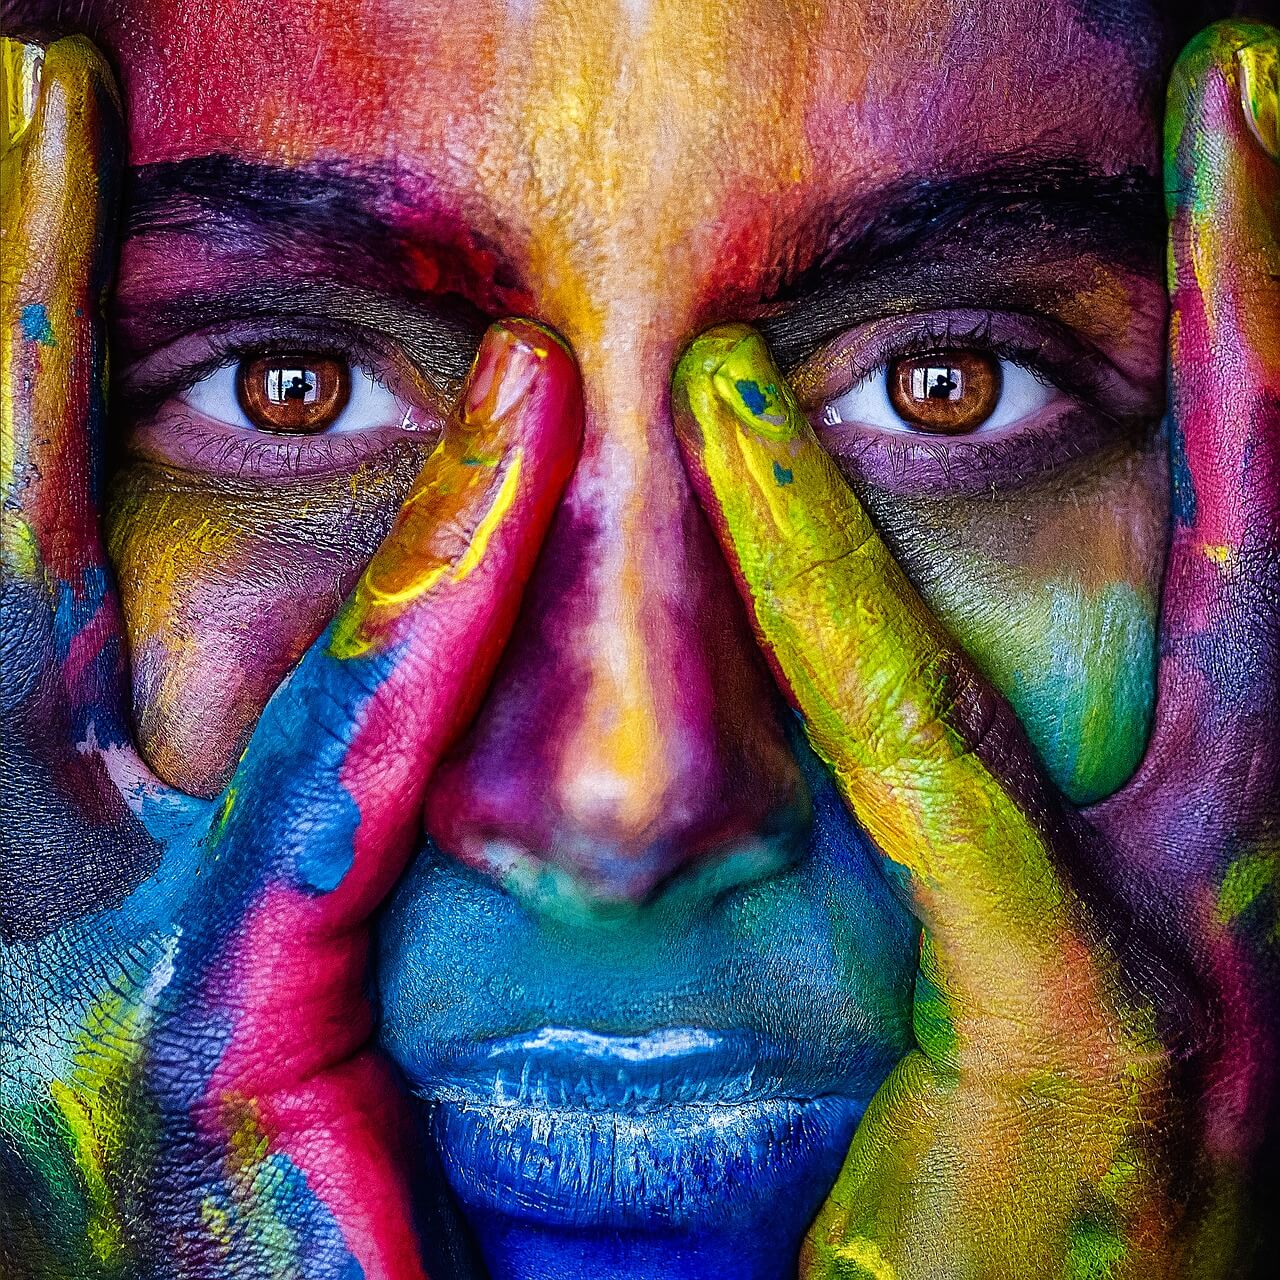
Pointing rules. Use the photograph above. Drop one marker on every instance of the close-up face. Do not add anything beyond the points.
(635, 892)
(632, 839)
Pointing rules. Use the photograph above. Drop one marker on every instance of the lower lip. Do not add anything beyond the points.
(708, 1156)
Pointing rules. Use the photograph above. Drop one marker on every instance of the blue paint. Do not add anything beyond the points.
(820, 956)
(752, 396)
(1183, 486)
(36, 326)
(783, 475)
(74, 610)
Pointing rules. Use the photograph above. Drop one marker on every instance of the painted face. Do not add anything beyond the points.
(949, 235)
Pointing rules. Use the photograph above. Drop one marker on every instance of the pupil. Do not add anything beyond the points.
(937, 382)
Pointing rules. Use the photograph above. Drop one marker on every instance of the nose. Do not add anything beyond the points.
(632, 736)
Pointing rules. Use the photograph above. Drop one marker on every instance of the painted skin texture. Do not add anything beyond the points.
(265, 1211)
(1039, 1126)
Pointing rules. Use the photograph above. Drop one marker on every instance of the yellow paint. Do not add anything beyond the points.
(868, 1255)
(216, 1222)
(1218, 554)
(20, 65)
(106, 1237)
(492, 519)
(776, 497)
(352, 638)
(474, 553)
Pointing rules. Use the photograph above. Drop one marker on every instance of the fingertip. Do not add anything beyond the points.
(1217, 46)
(21, 64)
(74, 70)
(727, 384)
(708, 351)
(1224, 85)
(524, 385)
(1259, 65)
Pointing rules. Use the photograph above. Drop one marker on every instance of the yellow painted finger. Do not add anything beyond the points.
(932, 761)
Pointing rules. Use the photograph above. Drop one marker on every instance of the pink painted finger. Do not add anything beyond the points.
(1213, 767)
(61, 163)
(330, 788)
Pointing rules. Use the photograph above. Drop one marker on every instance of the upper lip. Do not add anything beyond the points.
(563, 1068)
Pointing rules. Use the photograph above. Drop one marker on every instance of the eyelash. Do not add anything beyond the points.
(224, 349)
(1075, 380)
(153, 423)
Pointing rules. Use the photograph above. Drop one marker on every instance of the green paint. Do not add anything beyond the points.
(931, 1018)
(1096, 1249)
(783, 475)
(1078, 667)
(1246, 880)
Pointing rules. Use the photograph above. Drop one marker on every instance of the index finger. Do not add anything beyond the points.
(920, 745)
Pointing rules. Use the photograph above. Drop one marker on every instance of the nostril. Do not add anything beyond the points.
(585, 882)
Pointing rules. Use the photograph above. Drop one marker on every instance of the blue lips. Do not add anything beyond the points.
(694, 1143)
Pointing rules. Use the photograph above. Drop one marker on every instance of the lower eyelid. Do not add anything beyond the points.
(178, 438)
(910, 465)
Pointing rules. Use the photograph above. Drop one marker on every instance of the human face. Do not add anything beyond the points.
(632, 869)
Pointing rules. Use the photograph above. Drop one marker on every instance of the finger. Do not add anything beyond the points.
(61, 161)
(335, 773)
(930, 758)
(68, 840)
(1013, 991)
(1219, 681)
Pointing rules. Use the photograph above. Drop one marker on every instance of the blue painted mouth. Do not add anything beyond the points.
(676, 1129)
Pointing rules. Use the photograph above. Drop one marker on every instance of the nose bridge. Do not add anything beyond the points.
(636, 733)
(631, 731)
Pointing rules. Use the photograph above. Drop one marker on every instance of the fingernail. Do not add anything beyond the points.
(21, 63)
(505, 366)
(1260, 93)
(748, 381)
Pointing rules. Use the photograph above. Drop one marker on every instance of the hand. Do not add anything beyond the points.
(199, 1068)
(1095, 1008)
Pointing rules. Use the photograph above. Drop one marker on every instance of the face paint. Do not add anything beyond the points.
(642, 965)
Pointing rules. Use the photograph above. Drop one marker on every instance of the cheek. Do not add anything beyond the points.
(221, 594)
(1055, 596)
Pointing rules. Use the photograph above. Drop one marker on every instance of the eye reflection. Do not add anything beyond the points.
(293, 394)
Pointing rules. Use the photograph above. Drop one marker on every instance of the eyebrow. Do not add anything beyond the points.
(348, 214)
(944, 239)
(966, 239)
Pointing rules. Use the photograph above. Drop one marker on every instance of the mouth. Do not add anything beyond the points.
(674, 1128)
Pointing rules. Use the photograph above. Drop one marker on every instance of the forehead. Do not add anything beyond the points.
(303, 77)
(620, 139)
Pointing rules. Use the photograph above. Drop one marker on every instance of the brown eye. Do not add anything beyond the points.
(948, 392)
(295, 395)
